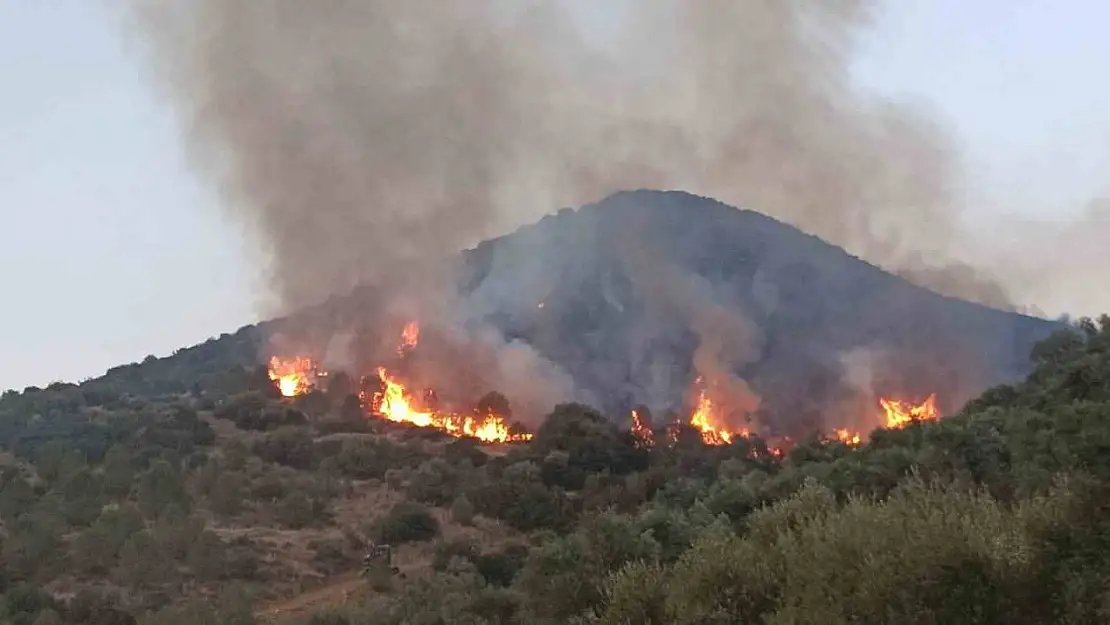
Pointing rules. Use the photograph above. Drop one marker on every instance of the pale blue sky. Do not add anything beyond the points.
(112, 249)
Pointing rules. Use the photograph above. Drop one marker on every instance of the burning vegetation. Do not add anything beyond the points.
(706, 419)
(900, 413)
(396, 404)
(293, 376)
(394, 401)
(386, 395)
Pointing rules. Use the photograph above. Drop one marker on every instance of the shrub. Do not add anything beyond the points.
(462, 511)
(288, 446)
(406, 522)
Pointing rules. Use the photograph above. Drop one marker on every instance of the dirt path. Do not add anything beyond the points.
(336, 591)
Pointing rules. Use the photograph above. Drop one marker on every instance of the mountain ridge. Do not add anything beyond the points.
(574, 286)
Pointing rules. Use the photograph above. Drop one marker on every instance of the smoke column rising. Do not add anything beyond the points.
(358, 138)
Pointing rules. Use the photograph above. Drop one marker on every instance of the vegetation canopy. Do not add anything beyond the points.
(187, 490)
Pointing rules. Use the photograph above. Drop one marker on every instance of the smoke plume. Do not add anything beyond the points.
(362, 137)
(364, 140)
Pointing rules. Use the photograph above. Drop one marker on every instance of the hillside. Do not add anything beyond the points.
(600, 271)
(621, 295)
(187, 489)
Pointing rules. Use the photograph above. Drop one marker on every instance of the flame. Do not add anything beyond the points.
(641, 432)
(293, 375)
(901, 413)
(396, 404)
(846, 437)
(705, 420)
(410, 337)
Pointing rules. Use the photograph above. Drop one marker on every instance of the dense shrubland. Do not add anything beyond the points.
(129, 499)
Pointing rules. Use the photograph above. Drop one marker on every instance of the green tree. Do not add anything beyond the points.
(160, 486)
(406, 522)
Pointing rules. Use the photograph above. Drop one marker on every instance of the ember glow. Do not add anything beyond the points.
(293, 376)
(901, 413)
(846, 437)
(410, 337)
(641, 431)
(397, 404)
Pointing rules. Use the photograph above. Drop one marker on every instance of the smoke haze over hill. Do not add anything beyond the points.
(364, 141)
(356, 138)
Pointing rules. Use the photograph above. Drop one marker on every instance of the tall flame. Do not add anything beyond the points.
(396, 404)
(410, 337)
(705, 420)
(641, 432)
(901, 413)
(293, 375)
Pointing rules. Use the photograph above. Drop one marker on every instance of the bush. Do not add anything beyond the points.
(500, 568)
(298, 510)
(288, 446)
(462, 511)
(332, 555)
(406, 522)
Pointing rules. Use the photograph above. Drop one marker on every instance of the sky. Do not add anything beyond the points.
(112, 248)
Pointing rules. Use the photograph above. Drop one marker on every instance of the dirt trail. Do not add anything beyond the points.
(336, 591)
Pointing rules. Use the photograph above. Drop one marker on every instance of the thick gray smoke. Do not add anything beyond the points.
(363, 140)
(359, 137)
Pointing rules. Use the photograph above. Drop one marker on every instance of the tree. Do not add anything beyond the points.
(289, 446)
(118, 472)
(160, 486)
(406, 522)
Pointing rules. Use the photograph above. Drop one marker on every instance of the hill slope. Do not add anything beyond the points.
(621, 295)
(606, 273)
(186, 489)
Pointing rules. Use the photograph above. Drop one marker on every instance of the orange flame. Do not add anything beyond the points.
(410, 337)
(293, 375)
(396, 404)
(705, 421)
(702, 420)
(900, 413)
(846, 437)
(641, 432)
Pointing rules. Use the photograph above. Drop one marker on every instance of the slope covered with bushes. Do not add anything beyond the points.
(211, 503)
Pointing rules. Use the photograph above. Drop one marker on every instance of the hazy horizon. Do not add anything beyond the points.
(117, 249)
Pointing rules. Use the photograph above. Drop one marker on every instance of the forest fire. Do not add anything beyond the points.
(901, 413)
(410, 336)
(397, 404)
(294, 376)
(705, 420)
(641, 432)
(846, 437)
(394, 402)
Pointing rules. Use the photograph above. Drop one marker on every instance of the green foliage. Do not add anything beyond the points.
(434, 482)
(372, 458)
(406, 522)
(521, 499)
(23, 604)
(255, 411)
(289, 446)
(589, 443)
(996, 514)
(162, 485)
